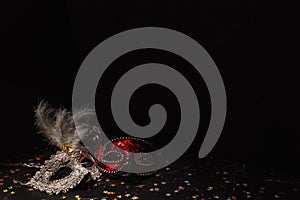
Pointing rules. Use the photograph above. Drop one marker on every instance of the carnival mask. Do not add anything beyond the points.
(58, 127)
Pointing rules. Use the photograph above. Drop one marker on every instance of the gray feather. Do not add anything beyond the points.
(56, 125)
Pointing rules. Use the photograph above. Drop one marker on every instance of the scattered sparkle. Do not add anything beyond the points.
(168, 194)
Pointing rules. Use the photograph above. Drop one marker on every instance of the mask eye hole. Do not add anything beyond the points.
(86, 162)
(61, 173)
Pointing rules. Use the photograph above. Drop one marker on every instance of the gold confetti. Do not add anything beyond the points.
(5, 190)
(180, 188)
(233, 197)
(63, 197)
(112, 185)
(135, 197)
(30, 189)
(10, 187)
(12, 192)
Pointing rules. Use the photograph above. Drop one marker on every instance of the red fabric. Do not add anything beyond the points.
(127, 147)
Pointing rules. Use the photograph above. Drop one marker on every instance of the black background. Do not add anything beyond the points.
(44, 43)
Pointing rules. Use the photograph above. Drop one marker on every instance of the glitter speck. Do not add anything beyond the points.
(210, 188)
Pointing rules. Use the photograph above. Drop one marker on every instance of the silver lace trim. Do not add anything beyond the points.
(41, 179)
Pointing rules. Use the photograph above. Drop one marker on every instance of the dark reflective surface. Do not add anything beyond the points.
(188, 178)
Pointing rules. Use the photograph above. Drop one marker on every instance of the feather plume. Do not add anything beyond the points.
(56, 125)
